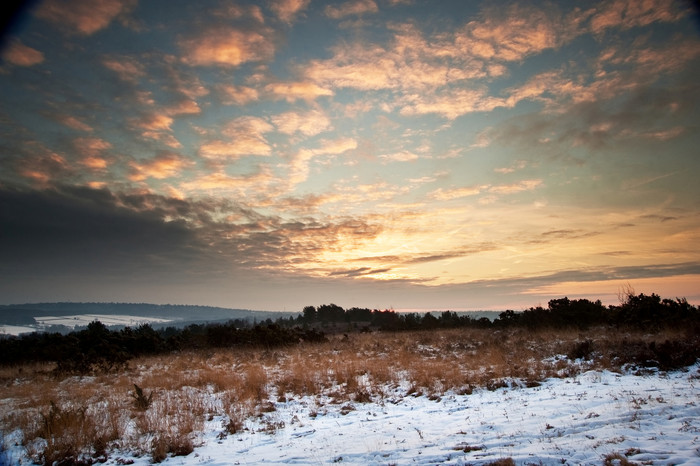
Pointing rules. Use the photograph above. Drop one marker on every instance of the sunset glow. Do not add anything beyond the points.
(375, 153)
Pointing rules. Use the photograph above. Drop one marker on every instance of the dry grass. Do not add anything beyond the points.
(76, 418)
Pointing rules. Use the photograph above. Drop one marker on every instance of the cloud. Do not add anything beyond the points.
(337, 146)
(84, 17)
(154, 122)
(664, 135)
(81, 230)
(245, 137)
(351, 8)
(441, 194)
(127, 68)
(43, 166)
(293, 91)
(287, 10)
(517, 165)
(403, 156)
(451, 104)
(359, 272)
(228, 47)
(184, 107)
(259, 182)
(75, 123)
(299, 165)
(310, 123)
(512, 33)
(165, 165)
(157, 126)
(91, 150)
(19, 54)
(525, 185)
(627, 14)
(238, 95)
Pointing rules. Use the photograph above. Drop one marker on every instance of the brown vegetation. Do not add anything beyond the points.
(158, 404)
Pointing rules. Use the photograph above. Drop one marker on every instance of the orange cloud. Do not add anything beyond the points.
(22, 55)
(294, 91)
(43, 165)
(165, 165)
(127, 68)
(456, 193)
(83, 17)
(95, 162)
(526, 185)
(155, 122)
(90, 150)
(287, 10)
(90, 147)
(246, 137)
(451, 104)
(238, 95)
(403, 156)
(299, 166)
(633, 13)
(513, 33)
(353, 7)
(74, 123)
(309, 124)
(184, 107)
(228, 47)
(219, 181)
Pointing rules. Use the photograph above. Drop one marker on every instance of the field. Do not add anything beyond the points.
(461, 396)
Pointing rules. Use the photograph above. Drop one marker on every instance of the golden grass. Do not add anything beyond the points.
(98, 413)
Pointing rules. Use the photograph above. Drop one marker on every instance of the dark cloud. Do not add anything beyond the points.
(84, 230)
(360, 272)
(101, 232)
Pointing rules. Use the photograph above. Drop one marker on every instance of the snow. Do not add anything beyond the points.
(653, 418)
(83, 320)
(649, 419)
(15, 330)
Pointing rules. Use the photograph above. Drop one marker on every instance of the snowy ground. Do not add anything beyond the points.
(649, 419)
(652, 419)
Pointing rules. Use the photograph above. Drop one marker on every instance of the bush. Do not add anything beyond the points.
(141, 401)
(581, 350)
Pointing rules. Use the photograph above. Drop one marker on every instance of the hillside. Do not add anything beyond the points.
(38, 316)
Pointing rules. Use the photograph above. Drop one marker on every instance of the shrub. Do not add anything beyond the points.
(67, 431)
(141, 401)
(581, 350)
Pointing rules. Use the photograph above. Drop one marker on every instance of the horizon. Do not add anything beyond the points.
(369, 153)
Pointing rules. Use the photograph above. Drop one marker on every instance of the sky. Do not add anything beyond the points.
(396, 154)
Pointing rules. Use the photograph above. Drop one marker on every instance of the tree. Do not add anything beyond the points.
(310, 314)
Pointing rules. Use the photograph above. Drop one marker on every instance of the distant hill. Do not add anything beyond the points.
(25, 314)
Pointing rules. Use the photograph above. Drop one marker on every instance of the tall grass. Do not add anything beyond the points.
(75, 419)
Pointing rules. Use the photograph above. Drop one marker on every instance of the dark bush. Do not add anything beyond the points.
(581, 350)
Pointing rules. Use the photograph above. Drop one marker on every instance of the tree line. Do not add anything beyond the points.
(99, 349)
(643, 312)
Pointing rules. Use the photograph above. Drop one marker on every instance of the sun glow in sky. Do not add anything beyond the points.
(375, 153)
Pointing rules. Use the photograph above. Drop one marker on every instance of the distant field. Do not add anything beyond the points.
(15, 329)
(83, 320)
(80, 320)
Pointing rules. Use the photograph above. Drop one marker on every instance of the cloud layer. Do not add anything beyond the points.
(268, 155)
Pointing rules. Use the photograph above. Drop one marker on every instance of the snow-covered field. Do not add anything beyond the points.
(80, 320)
(107, 319)
(647, 419)
(15, 329)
